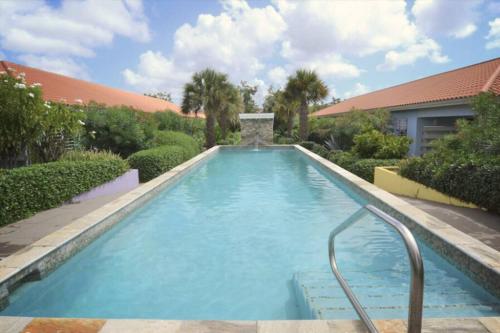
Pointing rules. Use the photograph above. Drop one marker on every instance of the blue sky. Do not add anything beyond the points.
(145, 46)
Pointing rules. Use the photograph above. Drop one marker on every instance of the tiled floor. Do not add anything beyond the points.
(48, 325)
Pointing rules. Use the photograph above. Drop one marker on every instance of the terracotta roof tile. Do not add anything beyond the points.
(60, 88)
(456, 84)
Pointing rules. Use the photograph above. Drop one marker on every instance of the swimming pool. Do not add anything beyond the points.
(240, 237)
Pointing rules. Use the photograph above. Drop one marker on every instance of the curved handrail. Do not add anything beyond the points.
(417, 269)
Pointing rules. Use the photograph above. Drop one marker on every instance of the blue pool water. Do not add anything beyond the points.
(225, 243)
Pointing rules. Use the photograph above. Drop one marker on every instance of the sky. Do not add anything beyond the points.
(156, 45)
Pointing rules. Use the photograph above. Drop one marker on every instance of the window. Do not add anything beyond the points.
(400, 126)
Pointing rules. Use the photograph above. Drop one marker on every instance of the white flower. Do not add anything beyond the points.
(36, 84)
(20, 86)
(79, 101)
(47, 105)
(31, 95)
(3, 72)
(81, 122)
(92, 132)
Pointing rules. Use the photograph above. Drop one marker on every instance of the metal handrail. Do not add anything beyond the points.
(417, 269)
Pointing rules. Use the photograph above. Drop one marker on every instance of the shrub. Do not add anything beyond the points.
(355, 122)
(117, 129)
(475, 180)
(393, 147)
(232, 138)
(282, 140)
(58, 125)
(88, 155)
(363, 168)
(171, 138)
(156, 161)
(171, 121)
(374, 144)
(465, 165)
(367, 144)
(343, 159)
(28, 190)
(307, 144)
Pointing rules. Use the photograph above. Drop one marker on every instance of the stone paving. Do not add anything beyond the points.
(64, 325)
(480, 224)
(16, 236)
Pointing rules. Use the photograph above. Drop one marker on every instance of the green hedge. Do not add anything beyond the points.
(28, 190)
(475, 181)
(364, 168)
(155, 161)
(171, 138)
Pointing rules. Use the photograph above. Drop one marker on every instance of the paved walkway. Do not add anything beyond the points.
(25, 232)
(476, 223)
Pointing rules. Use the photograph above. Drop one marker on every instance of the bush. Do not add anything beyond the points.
(465, 165)
(171, 138)
(28, 190)
(232, 138)
(88, 155)
(155, 161)
(355, 122)
(121, 130)
(364, 168)
(307, 144)
(472, 180)
(374, 144)
(171, 121)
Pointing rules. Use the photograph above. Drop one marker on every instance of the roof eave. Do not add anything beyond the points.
(416, 106)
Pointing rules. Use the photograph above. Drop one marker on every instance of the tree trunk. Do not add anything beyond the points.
(303, 121)
(210, 134)
(289, 125)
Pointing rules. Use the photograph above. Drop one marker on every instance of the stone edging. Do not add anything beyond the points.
(477, 260)
(441, 325)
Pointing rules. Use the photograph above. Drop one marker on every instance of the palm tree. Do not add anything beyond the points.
(306, 87)
(231, 106)
(285, 108)
(206, 93)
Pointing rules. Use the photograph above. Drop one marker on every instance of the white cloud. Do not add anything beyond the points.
(235, 41)
(330, 32)
(446, 17)
(35, 30)
(358, 89)
(332, 65)
(494, 34)
(426, 48)
(63, 65)
(156, 73)
(347, 27)
(277, 76)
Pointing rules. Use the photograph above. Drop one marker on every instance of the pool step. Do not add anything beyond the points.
(320, 297)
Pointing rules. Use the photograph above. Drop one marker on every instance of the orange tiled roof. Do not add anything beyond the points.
(60, 88)
(456, 84)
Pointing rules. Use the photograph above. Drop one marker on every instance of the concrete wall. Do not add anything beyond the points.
(256, 128)
(420, 117)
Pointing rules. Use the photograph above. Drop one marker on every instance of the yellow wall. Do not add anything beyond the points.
(388, 179)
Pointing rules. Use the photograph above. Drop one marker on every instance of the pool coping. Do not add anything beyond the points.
(44, 255)
(442, 325)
